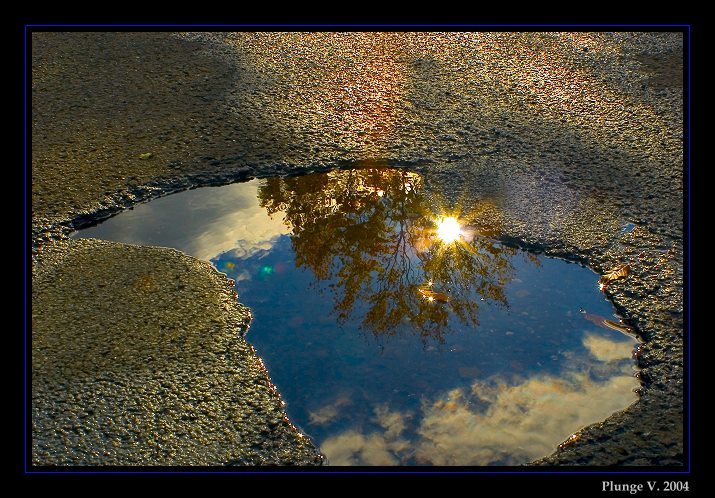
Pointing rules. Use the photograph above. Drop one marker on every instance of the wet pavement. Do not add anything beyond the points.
(558, 140)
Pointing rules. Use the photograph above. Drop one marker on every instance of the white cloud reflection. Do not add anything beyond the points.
(378, 448)
(607, 350)
(203, 222)
(329, 412)
(495, 422)
(522, 422)
(353, 448)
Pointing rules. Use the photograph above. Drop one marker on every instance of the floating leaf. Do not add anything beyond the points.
(619, 272)
(611, 324)
(620, 327)
(147, 155)
(434, 296)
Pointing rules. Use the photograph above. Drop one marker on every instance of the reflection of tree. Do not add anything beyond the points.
(371, 233)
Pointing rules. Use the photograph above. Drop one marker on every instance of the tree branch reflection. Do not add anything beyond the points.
(371, 233)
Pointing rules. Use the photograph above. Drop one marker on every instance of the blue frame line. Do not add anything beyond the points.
(688, 230)
(24, 237)
(25, 245)
(366, 25)
(346, 472)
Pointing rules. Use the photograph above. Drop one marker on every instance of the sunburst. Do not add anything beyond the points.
(448, 230)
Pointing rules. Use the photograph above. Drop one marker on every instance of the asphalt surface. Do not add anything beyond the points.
(557, 141)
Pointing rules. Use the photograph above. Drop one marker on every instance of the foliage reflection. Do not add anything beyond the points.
(372, 233)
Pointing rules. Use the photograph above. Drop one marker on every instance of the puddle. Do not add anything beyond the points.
(398, 332)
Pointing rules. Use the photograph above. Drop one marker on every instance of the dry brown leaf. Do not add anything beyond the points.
(619, 272)
(611, 324)
(434, 296)
(619, 327)
(572, 439)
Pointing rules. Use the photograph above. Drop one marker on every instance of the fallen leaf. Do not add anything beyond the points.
(619, 272)
(620, 327)
(572, 439)
(611, 324)
(434, 296)
(145, 283)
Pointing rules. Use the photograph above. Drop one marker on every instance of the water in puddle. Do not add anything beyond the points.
(398, 332)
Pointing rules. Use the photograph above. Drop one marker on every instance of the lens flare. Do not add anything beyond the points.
(448, 230)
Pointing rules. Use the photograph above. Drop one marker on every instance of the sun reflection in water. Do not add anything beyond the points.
(448, 230)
